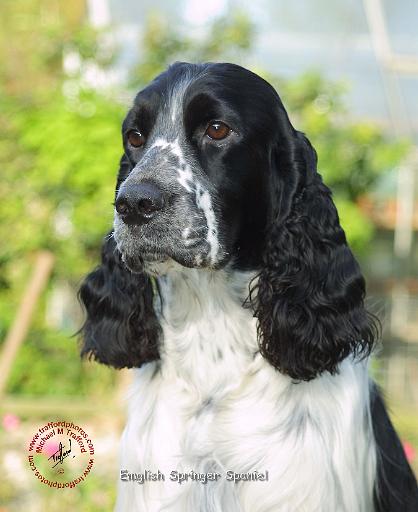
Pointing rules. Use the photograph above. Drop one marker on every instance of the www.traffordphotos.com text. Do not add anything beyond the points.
(192, 476)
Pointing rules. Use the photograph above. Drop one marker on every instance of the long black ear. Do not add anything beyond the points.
(309, 294)
(121, 328)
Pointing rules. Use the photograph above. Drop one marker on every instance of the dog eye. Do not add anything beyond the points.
(136, 139)
(217, 130)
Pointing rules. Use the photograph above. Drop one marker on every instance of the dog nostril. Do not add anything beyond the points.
(122, 206)
(147, 206)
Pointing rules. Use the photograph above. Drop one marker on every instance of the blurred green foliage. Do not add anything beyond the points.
(59, 154)
(227, 39)
(60, 158)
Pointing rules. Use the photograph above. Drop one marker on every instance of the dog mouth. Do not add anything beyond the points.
(144, 249)
(160, 261)
(140, 258)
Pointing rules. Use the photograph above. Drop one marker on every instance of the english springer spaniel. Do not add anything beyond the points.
(228, 284)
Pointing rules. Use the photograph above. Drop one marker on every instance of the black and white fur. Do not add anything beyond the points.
(240, 306)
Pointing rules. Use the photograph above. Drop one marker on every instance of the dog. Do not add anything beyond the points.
(228, 286)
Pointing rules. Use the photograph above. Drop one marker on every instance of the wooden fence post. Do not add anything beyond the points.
(19, 329)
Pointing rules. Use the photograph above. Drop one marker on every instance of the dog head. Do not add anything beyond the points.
(213, 175)
(195, 187)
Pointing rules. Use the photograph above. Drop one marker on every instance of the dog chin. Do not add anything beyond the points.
(138, 263)
(154, 264)
(161, 263)
(175, 262)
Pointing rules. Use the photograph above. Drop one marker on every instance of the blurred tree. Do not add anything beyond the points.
(60, 146)
(352, 155)
(58, 158)
(33, 34)
(228, 38)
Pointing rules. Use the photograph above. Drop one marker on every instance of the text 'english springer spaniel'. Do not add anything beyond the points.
(228, 284)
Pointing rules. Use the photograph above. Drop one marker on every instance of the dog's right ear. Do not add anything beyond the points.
(121, 328)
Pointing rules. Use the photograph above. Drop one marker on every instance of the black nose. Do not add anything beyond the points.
(137, 203)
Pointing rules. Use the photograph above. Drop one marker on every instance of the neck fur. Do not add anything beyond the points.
(209, 337)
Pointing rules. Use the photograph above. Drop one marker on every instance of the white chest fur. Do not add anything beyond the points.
(213, 404)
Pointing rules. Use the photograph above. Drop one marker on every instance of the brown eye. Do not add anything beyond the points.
(217, 130)
(136, 139)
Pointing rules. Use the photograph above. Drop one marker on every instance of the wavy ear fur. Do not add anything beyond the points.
(309, 294)
(121, 328)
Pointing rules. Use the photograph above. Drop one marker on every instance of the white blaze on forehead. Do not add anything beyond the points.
(176, 99)
(204, 202)
(175, 106)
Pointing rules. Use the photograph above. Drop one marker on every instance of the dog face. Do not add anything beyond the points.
(194, 185)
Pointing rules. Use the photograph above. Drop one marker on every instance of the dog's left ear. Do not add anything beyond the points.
(121, 328)
(309, 295)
